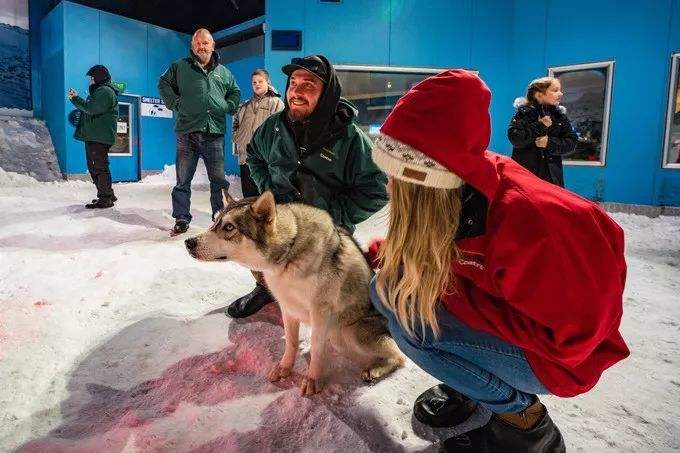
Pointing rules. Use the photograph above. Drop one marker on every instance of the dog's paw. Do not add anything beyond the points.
(310, 386)
(368, 376)
(278, 372)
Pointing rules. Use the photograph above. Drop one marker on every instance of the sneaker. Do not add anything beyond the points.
(181, 226)
(100, 203)
(443, 407)
(251, 303)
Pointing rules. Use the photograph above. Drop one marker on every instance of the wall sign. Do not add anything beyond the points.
(155, 107)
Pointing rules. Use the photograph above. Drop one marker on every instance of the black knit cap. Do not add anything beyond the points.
(311, 63)
(99, 73)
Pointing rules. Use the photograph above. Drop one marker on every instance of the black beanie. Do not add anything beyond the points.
(99, 73)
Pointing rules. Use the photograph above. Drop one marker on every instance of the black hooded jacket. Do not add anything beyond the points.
(324, 161)
(328, 122)
(525, 128)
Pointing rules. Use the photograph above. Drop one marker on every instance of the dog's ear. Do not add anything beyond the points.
(226, 198)
(264, 209)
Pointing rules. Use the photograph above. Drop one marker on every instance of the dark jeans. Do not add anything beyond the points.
(481, 366)
(248, 186)
(191, 146)
(97, 155)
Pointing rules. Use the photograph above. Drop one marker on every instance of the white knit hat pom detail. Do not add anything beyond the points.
(404, 162)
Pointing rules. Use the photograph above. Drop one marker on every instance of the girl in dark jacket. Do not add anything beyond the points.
(540, 131)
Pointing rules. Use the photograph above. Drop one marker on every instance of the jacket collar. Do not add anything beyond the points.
(473, 214)
(212, 64)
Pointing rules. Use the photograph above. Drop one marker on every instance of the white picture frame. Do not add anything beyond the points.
(673, 87)
(556, 71)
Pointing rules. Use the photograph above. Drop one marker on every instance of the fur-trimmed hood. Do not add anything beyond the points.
(522, 101)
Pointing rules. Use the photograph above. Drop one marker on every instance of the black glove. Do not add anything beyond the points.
(74, 117)
(307, 184)
(288, 197)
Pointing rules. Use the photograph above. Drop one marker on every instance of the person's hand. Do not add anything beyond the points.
(72, 93)
(305, 183)
(546, 120)
(542, 142)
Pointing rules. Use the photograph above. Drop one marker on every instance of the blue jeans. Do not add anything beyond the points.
(191, 146)
(481, 366)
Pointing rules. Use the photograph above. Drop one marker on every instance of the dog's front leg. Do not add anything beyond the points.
(291, 328)
(311, 383)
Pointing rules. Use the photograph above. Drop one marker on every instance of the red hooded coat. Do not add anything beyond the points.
(549, 272)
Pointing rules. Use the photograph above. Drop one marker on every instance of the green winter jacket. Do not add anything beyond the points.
(199, 97)
(99, 114)
(342, 180)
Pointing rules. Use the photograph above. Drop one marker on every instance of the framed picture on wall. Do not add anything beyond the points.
(15, 63)
(587, 92)
(671, 148)
(374, 90)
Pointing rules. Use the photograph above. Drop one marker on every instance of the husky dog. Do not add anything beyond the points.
(318, 275)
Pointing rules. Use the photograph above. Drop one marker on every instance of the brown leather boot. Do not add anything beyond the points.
(526, 419)
(529, 431)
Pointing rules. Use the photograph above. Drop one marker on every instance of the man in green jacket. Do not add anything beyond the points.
(97, 128)
(312, 152)
(201, 92)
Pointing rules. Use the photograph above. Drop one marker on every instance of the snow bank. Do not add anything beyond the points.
(26, 148)
(11, 179)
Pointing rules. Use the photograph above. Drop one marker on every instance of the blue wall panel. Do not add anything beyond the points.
(158, 135)
(433, 33)
(490, 55)
(37, 9)
(284, 15)
(352, 39)
(123, 50)
(51, 67)
(81, 52)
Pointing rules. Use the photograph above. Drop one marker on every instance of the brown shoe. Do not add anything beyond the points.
(529, 431)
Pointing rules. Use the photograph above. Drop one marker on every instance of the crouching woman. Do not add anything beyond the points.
(499, 284)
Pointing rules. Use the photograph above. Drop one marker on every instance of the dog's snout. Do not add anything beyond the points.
(191, 244)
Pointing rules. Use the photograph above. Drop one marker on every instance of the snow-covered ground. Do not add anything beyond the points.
(112, 339)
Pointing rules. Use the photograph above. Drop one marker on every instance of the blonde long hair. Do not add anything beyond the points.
(418, 251)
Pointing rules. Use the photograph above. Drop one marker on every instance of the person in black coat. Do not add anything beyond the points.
(540, 131)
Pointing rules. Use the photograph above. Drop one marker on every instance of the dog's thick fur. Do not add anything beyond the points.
(317, 274)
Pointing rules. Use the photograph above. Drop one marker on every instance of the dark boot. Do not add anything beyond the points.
(100, 203)
(443, 407)
(181, 226)
(251, 303)
(529, 431)
(113, 198)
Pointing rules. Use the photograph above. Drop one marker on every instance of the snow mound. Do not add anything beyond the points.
(11, 179)
(26, 147)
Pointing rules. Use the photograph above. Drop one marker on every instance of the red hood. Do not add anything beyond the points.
(446, 117)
